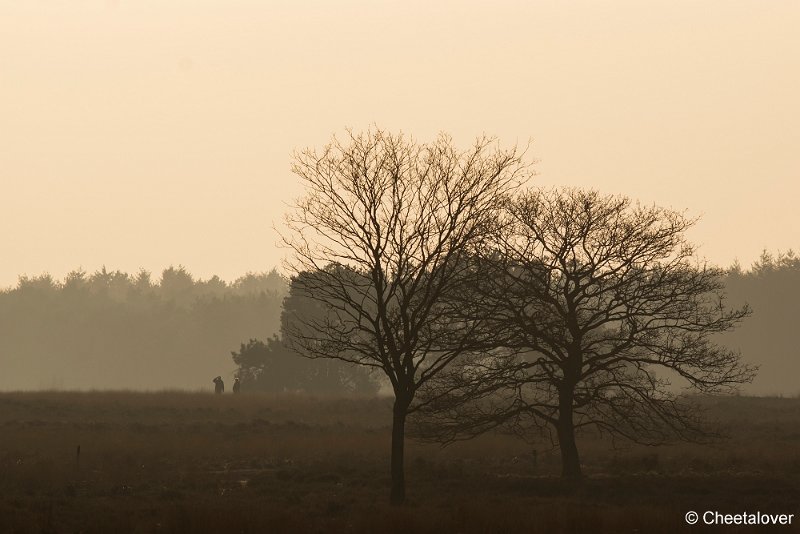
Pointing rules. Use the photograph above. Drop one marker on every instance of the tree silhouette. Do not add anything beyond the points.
(378, 240)
(593, 297)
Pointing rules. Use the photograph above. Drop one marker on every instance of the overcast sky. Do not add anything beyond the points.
(154, 132)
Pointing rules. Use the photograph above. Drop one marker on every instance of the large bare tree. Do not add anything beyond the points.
(599, 300)
(380, 239)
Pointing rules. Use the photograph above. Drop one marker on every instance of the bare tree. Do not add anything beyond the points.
(595, 296)
(380, 239)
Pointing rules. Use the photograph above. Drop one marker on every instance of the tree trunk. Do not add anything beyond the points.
(570, 461)
(398, 494)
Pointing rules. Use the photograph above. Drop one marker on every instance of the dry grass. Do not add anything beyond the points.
(185, 462)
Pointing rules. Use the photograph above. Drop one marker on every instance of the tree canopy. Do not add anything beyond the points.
(383, 228)
(594, 296)
(272, 366)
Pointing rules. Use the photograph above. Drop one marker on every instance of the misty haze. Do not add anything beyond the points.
(116, 330)
(399, 267)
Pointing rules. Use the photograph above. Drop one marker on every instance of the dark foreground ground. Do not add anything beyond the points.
(180, 462)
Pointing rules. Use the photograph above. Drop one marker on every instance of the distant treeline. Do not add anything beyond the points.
(111, 329)
(271, 366)
(772, 289)
(114, 330)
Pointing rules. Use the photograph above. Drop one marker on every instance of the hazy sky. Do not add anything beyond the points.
(153, 132)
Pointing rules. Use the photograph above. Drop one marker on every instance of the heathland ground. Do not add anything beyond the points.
(195, 462)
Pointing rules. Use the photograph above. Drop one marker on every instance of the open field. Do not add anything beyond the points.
(186, 462)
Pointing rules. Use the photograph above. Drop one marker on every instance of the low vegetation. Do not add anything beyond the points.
(186, 462)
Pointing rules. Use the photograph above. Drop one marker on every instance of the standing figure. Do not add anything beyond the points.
(236, 385)
(219, 385)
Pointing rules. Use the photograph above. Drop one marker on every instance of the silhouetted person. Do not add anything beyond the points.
(219, 385)
(237, 386)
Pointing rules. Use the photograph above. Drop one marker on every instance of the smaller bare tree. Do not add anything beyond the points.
(595, 297)
(380, 240)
